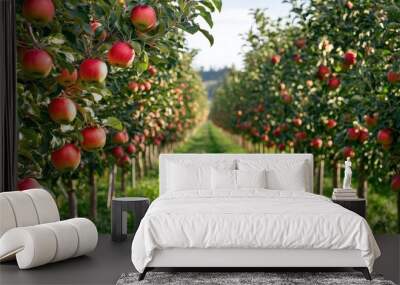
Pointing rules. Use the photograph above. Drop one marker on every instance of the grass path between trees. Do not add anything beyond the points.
(209, 139)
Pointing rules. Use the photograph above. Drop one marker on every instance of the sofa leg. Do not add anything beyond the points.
(364, 271)
(143, 274)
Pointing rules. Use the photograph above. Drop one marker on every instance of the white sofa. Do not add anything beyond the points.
(31, 231)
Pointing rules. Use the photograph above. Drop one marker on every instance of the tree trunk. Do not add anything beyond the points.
(362, 181)
(93, 193)
(336, 174)
(321, 174)
(133, 173)
(111, 185)
(137, 162)
(150, 156)
(72, 201)
(144, 160)
(398, 212)
(123, 180)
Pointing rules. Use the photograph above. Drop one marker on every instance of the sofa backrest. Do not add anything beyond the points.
(234, 159)
(26, 208)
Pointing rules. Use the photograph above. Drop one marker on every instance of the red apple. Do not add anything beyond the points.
(121, 54)
(66, 158)
(66, 78)
(40, 11)
(395, 185)
(364, 134)
(275, 59)
(152, 70)
(349, 5)
(300, 136)
(281, 146)
(133, 86)
(385, 137)
(120, 138)
(371, 120)
(62, 110)
(28, 183)
(353, 134)
(277, 132)
(350, 57)
(297, 122)
(348, 151)
(316, 143)
(393, 76)
(131, 149)
(37, 62)
(297, 58)
(94, 138)
(331, 123)
(124, 161)
(93, 70)
(300, 43)
(286, 97)
(333, 82)
(118, 152)
(94, 25)
(255, 132)
(143, 17)
(147, 86)
(323, 72)
(264, 138)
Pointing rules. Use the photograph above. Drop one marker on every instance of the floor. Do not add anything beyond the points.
(110, 260)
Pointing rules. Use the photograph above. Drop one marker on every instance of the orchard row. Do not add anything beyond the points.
(100, 82)
(325, 81)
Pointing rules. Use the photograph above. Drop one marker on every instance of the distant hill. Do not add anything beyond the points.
(212, 78)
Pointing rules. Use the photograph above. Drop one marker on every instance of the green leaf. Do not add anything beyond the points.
(209, 37)
(217, 4)
(206, 16)
(190, 28)
(136, 47)
(56, 39)
(114, 123)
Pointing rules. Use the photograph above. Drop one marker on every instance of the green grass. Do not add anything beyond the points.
(210, 139)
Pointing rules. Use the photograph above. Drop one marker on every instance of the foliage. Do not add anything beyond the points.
(323, 81)
(154, 95)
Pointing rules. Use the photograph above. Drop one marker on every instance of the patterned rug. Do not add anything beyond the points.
(244, 278)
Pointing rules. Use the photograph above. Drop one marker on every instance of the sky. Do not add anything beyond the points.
(234, 20)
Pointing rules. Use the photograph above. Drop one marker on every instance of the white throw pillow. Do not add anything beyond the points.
(291, 178)
(281, 174)
(185, 178)
(223, 179)
(251, 178)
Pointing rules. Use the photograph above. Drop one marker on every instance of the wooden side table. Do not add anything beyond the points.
(119, 216)
(358, 206)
